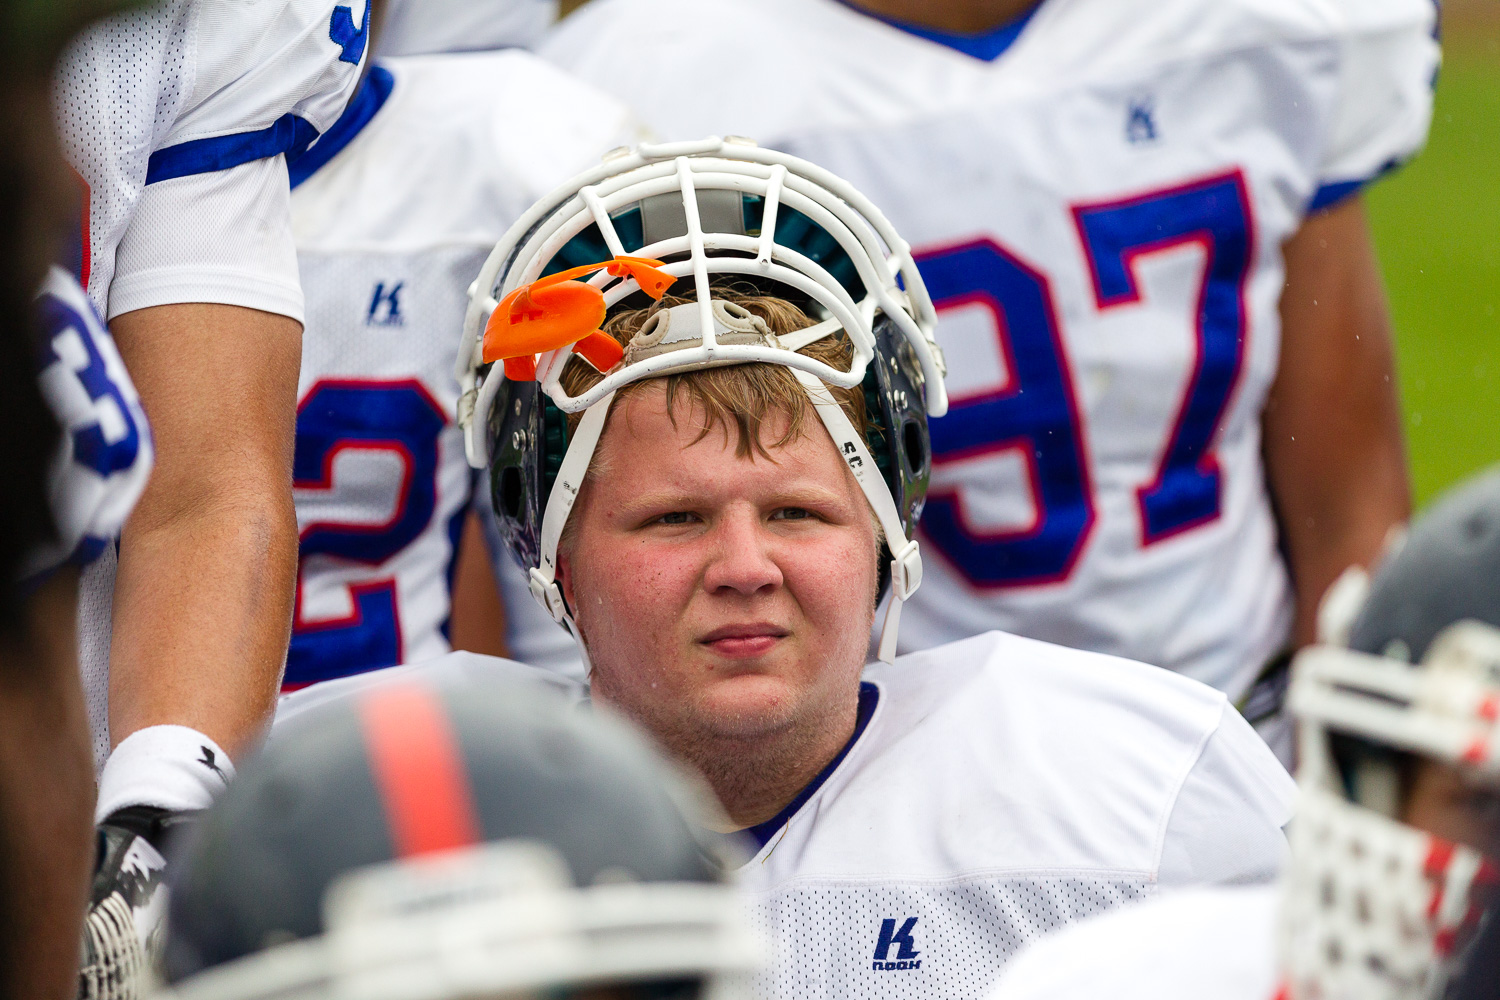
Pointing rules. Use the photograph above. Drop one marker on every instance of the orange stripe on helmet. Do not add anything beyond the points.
(419, 770)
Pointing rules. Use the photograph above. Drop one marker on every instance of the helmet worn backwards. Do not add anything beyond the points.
(1376, 908)
(419, 841)
(695, 217)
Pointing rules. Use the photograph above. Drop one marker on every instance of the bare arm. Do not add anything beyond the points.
(478, 615)
(208, 559)
(1334, 451)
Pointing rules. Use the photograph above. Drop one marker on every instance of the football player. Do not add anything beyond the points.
(176, 118)
(1174, 421)
(1397, 834)
(425, 843)
(714, 519)
(394, 212)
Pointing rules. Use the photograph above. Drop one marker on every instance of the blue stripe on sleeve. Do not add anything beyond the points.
(289, 134)
(369, 99)
(1330, 195)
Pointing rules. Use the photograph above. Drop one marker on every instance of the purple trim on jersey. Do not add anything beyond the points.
(370, 98)
(985, 45)
(288, 134)
(869, 697)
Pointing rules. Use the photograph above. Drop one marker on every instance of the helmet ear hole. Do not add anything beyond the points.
(916, 448)
(511, 494)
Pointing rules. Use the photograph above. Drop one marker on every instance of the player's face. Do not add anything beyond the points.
(1449, 803)
(720, 596)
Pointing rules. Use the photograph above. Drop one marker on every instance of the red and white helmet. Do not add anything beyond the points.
(1375, 908)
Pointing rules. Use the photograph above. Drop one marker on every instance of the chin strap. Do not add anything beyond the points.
(906, 562)
(570, 475)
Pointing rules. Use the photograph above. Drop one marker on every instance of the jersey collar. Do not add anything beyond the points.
(369, 99)
(985, 45)
(869, 697)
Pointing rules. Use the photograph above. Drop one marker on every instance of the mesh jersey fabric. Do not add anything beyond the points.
(1002, 788)
(1098, 213)
(390, 233)
(1187, 945)
(199, 80)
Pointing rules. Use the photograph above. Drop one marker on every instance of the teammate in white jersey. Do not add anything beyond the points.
(1398, 830)
(1108, 201)
(177, 117)
(394, 212)
(735, 523)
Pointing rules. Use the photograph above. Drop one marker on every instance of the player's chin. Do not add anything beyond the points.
(746, 704)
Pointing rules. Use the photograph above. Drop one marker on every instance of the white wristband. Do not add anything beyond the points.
(170, 767)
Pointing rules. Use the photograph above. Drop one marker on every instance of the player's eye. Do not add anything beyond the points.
(792, 514)
(676, 517)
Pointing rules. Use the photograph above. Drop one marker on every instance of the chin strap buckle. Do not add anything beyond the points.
(906, 577)
(549, 595)
(906, 571)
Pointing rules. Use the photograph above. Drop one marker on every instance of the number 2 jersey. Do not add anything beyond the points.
(1097, 195)
(394, 212)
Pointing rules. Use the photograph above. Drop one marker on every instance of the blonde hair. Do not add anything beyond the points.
(736, 397)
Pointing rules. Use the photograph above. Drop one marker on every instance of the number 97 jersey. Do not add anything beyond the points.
(1097, 195)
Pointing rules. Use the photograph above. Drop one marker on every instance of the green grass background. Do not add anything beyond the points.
(1437, 230)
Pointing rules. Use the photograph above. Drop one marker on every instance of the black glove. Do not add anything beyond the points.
(127, 903)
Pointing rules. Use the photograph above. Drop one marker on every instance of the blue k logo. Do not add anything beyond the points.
(385, 306)
(906, 947)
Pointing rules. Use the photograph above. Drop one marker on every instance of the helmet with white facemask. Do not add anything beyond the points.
(1374, 907)
(701, 215)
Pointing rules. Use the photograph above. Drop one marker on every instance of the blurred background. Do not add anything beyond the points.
(1437, 228)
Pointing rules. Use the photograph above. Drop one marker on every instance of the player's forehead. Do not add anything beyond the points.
(648, 444)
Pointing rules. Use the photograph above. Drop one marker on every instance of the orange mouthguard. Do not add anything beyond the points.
(555, 311)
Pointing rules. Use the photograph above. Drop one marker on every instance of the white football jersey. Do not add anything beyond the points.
(394, 212)
(104, 452)
(175, 117)
(995, 789)
(1097, 196)
(1215, 943)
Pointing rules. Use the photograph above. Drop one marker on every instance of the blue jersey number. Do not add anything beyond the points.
(1215, 215)
(1035, 412)
(396, 417)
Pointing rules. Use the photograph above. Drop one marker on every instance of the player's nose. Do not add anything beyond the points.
(740, 558)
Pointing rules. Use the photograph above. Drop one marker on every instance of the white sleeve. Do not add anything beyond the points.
(255, 64)
(213, 223)
(1226, 824)
(224, 236)
(1389, 59)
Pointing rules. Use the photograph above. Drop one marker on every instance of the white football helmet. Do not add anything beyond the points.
(700, 211)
